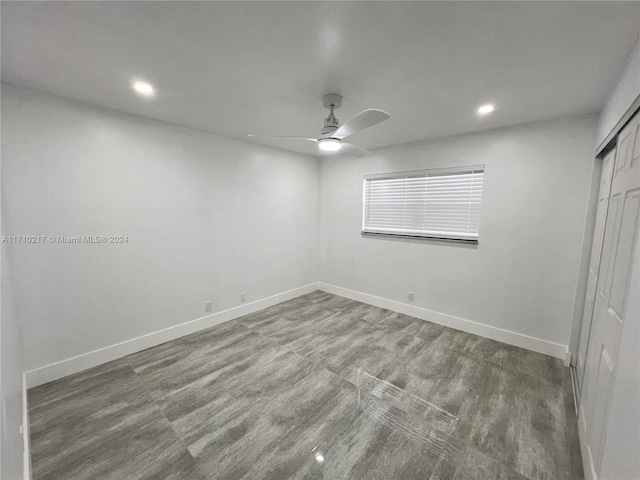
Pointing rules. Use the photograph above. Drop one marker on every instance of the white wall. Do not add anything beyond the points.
(621, 97)
(206, 217)
(522, 277)
(11, 369)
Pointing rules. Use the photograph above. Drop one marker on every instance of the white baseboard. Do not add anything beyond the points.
(76, 364)
(505, 336)
(26, 438)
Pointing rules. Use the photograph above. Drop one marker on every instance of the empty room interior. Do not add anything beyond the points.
(320, 240)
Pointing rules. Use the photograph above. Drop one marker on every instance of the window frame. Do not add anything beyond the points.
(467, 169)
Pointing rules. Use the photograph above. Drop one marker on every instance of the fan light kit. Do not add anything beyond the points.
(329, 144)
(333, 133)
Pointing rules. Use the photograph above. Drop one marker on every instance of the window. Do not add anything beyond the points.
(437, 204)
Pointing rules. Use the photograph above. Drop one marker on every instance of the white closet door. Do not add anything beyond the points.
(594, 263)
(615, 300)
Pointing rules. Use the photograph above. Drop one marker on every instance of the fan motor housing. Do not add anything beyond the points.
(331, 123)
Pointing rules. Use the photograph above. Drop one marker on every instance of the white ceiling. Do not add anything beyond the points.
(234, 68)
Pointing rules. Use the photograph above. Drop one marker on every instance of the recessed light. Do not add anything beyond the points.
(319, 458)
(486, 109)
(143, 88)
(329, 144)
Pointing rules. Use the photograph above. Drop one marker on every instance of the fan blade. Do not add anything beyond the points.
(282, 137)
(351, 149)
(365, 119)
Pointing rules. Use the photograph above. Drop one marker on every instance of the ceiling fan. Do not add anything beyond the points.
(333, 133)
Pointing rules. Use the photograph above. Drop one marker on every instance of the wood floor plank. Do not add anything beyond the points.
(103, 423)
(262, 396)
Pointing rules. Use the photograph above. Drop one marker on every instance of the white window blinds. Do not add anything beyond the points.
(441, 204)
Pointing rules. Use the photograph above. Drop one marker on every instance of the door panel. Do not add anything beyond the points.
(598, 329)
(624, 141)
(610, 245)
(621, 455)
(594, 264)
(623, 255)
(611, 300)
(636, 149)
(605, 372)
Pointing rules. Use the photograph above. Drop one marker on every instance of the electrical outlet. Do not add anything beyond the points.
(243, 296)
(412, 297)
(208, 306)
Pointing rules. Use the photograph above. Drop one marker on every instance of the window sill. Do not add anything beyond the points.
(467, 241)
